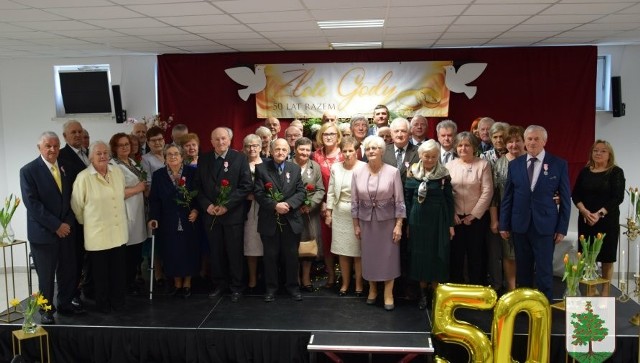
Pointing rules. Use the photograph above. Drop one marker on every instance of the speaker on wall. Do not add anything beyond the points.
(616, 97)
(121, 115)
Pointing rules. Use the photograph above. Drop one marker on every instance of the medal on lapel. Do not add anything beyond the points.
(546, 169)
(226, 166)
(288, 176)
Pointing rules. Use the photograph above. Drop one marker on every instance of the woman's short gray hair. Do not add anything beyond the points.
(263, 131)
(169, 146)
(374, 140)
(498, 127)
(92, 147)
(252, 139)
(466, 135)
(427, 146)
(358, 118)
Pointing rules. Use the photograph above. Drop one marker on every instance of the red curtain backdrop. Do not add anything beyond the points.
(549, 86)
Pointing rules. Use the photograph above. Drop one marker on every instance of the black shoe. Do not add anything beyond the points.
(77, 302)
(296, 296)
(422, 304)
(174, 291)
(389, 307)
(216, 293)
(235, 297)
(359, 293)
(308, 288)
(269, 297)
(46, 318)
(186, 292)
(71, 310)
(342, 293)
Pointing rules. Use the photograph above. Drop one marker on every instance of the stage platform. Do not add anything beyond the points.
(199, 329)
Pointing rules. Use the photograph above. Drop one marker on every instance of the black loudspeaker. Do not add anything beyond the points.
(616, 97)
(121, 115)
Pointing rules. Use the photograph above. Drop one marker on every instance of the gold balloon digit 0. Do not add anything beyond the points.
(536, 305)
(448, 329)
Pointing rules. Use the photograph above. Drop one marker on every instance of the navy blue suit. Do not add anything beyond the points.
(280, 241)
(47, 208)
(534, 218)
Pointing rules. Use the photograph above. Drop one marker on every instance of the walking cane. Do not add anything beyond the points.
(151, 275)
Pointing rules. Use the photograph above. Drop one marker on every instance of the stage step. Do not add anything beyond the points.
(408, 344)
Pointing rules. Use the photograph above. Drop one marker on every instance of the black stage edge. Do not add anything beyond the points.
(198, 329)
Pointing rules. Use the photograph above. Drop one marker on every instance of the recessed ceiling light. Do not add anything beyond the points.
(357, 45)
(345, 24)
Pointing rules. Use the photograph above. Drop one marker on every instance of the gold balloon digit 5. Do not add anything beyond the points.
(449, 297)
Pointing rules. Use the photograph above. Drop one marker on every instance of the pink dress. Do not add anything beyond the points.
(377, 200)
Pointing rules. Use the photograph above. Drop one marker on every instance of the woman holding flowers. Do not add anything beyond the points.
(338, 216)
(135, 186)
(328, 152)
(597, 194)
(312, 180)
(172, 210)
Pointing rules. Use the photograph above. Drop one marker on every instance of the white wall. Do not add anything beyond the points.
(624, 132)
(27, 109)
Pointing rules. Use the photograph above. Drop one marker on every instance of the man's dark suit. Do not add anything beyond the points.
(410, 157)
(280, 241)
(74, 166)
(47, 208)
(226, 237)
(533, 218)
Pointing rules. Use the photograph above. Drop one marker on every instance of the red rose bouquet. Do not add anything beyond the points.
(310, 188)
(277, 197)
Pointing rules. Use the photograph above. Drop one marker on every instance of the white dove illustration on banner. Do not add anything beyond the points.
(467, 73)
(245, 76)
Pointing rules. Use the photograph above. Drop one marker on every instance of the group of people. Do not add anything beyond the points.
(402, 211)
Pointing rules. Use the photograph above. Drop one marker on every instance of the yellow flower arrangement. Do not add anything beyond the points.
(573, 273)
(35, 302)
(11, 203)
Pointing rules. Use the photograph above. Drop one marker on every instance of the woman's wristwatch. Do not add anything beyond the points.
(601, 214)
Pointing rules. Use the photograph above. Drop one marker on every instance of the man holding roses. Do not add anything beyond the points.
(280, 193)
(223, 181)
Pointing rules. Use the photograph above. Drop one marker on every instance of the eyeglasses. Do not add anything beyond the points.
(252, 146)
(329, 134)
(173, 155)
(157, 139)
(124, 145)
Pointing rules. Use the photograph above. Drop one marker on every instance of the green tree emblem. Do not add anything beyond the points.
(588, 328)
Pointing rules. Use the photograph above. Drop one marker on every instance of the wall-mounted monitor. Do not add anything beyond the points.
(83, 90)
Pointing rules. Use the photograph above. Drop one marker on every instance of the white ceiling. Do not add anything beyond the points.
(79, 28)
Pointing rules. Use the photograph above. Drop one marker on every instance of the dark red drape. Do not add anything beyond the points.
(549, 86)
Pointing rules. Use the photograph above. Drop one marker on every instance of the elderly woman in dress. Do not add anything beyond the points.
(98, 202)
(172, 210)
(472, 193)
(328, 153)
(312, 180)
(344, 242)
(514, 141)
(377, 209)
(135, 186)
(252, 148)
(430, 206)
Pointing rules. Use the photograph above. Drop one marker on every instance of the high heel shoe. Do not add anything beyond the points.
(342, 293)
(389, 307)
(359, 293)
(371, 301)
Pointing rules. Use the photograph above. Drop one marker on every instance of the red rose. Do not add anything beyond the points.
(224, 183)
(182, 181)
(310, 188)
(268, 185)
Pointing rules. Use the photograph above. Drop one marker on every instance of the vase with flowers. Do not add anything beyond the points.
(11, 203)
(590, 251)
(573, 271)
(33, 303)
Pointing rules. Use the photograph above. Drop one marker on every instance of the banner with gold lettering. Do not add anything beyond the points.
(307, 90)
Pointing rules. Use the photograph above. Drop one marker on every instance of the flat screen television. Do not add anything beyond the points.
(85, 91)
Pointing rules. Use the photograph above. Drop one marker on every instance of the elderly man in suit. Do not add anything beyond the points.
(401, 154)
(530, 213)
(46, 193)
(224, 219)
(280, 192)
(76, 159)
